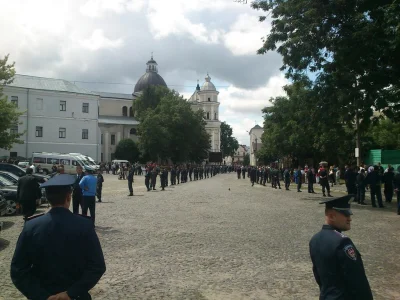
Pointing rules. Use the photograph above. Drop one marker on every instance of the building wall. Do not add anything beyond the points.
(42, 108)
(113, 107)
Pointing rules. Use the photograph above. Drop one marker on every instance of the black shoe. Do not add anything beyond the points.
(130, 195)
(98, 200)
(374, 206)
(313, 192)
(381, 206)
(363, 203)
(298, 191)
(324, 195)
(329, 195)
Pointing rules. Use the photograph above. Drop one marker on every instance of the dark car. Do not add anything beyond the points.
(21, 172)
(9, 192)
(3, 206)
(9, 176)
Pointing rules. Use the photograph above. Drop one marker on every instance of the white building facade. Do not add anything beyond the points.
(58, 117)
(255, 143)
(206, 99)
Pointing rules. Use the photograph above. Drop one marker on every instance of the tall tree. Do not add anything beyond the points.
(9, 114)
(127, 149)
(229, 144)
(246, 159)
(150, 98)
(172, 130)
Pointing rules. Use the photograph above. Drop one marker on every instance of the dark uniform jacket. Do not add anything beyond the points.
(77, 189)
(338, 267)
(56, 252)
(28, 190)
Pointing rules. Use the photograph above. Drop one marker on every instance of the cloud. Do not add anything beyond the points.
(111, 41)
(99, 41)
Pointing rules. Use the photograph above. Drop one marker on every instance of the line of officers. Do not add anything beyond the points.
(178, 174)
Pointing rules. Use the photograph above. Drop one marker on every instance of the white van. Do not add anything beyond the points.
(118, 161)
(46, 161)
(87, 160)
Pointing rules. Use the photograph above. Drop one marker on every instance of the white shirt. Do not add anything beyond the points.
(33, 168)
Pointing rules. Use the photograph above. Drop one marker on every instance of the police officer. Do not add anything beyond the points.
(130, 179)
(147, 179)
(88, 185)
(99, 189)
(58, 254)
(77, 193)
(337, 265)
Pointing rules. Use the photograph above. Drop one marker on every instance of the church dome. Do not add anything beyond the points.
(208, 85)
(151, 77)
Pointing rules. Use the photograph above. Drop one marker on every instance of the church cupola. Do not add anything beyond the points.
(152, 65)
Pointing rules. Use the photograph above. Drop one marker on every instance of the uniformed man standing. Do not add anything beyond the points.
(99, 189)
(28, 192)
(154, 178)
(77, 193)
(130, 180)
(337, 264)
(147, 179)
(58, 254)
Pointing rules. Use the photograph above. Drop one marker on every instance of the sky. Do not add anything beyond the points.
(103, 45)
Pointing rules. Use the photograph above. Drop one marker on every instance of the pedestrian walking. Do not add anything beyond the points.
(99, 188)
(131, 172)
(77, 192)
(58, 254)
(337, 265)
(28, 192)
(88, 185)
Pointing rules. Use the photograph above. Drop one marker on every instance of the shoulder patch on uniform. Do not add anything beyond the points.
(339, 233)
(34, 217)
(350, 252)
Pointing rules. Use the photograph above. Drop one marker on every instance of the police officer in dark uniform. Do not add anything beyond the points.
(337, 264)
(131, 172)
(147, 180)
(178, 174)
(154, 178)
(99, 189)
(253, 174)
(58, 254)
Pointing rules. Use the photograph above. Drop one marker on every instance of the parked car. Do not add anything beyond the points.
(3, 206)
(9, 192)
(9, 176)
(24, 164)
(21, 172)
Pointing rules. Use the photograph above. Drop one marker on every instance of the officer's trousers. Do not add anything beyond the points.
(99, 189)
(299, 184)
(238, 174)
(130, 182)
(325, 185)
(147, 183)
(388, 192)
(360, 194)
(89, 202)
(310, 186)
(376, 191)
(153, 183)
(287, 183)
(76, 202)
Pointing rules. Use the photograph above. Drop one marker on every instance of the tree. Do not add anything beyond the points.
(246, 159)
(127, 149)
(351, 48)
(150, 98)
(9, 114)
(386, 135)
(172, 130)
(229, 144)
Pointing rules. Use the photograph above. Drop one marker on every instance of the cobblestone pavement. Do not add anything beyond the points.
(219, 238)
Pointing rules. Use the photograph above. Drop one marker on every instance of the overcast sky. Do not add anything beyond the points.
(110, 41)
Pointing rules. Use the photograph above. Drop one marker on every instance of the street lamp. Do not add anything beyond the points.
(255, 151)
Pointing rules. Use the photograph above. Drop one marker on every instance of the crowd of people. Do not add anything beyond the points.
(356, 179)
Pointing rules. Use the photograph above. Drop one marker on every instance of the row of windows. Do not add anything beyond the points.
(62, 133)
(207, 116)
(63, 104)
(132, 132)
(125, 111)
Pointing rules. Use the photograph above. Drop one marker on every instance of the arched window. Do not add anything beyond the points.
(130, 111)
(133, 131)
(208, 116)
(215, 116)
(124, 111)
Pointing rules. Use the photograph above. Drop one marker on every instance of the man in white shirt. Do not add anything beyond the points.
(33, 168)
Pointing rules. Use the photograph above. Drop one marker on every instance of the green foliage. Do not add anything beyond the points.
(127, 149)
(229, 144)
(246, 159)
(386, 135)
(9, 114)
(150, 98)
(171, 130)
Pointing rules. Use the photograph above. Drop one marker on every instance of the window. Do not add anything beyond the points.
(63, 105)
(113, 139)
(85, 134)
(133, 131)
(130, 111)
(85, 108)
(62, 133)
(125, 111)
(39, 160)
(14, 129)
(215, 116)
(53, 161)
(39, 103)
(14, 100)
(102, 157)
(13, 154)
(64, 162)
(101, 139)
(39, 131)
(74, 163)
(209, 99)
(208, 116)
